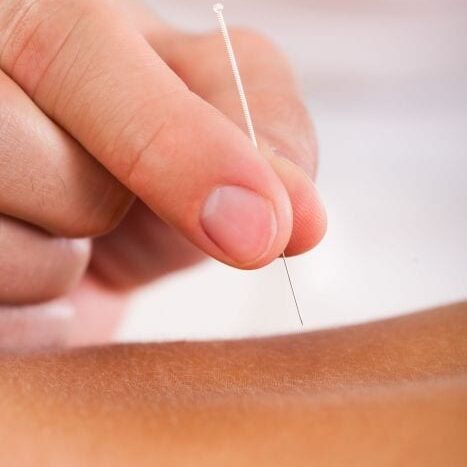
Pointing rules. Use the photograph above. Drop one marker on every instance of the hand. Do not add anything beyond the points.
(111, 103)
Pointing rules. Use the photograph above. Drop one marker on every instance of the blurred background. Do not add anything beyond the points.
(386, 84)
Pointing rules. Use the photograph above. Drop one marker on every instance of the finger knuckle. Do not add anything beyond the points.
(131, 142)
(100, 219)
(50, 266)
(37, 34)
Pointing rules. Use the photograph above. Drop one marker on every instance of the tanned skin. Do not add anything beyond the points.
(389, 393)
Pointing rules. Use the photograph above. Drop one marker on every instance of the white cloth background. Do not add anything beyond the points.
(386, 84)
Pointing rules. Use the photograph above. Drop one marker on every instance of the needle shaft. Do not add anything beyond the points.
(218, 9)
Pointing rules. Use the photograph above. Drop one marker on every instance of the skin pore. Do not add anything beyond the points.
(387, 393)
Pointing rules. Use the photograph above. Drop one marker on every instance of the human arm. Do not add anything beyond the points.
(385, 393)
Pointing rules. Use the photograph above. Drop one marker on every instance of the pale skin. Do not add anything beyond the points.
(114, 105)
(117, 132)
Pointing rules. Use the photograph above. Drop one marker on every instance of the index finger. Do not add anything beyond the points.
(89, 70)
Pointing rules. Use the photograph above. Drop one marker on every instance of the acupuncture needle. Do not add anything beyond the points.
(218, 10)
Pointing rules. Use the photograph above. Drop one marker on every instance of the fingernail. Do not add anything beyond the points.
(240, 222)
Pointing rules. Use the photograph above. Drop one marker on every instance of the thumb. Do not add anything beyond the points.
(98, 78)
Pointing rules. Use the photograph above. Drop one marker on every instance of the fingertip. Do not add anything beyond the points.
(309, 214)
(310, 221)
